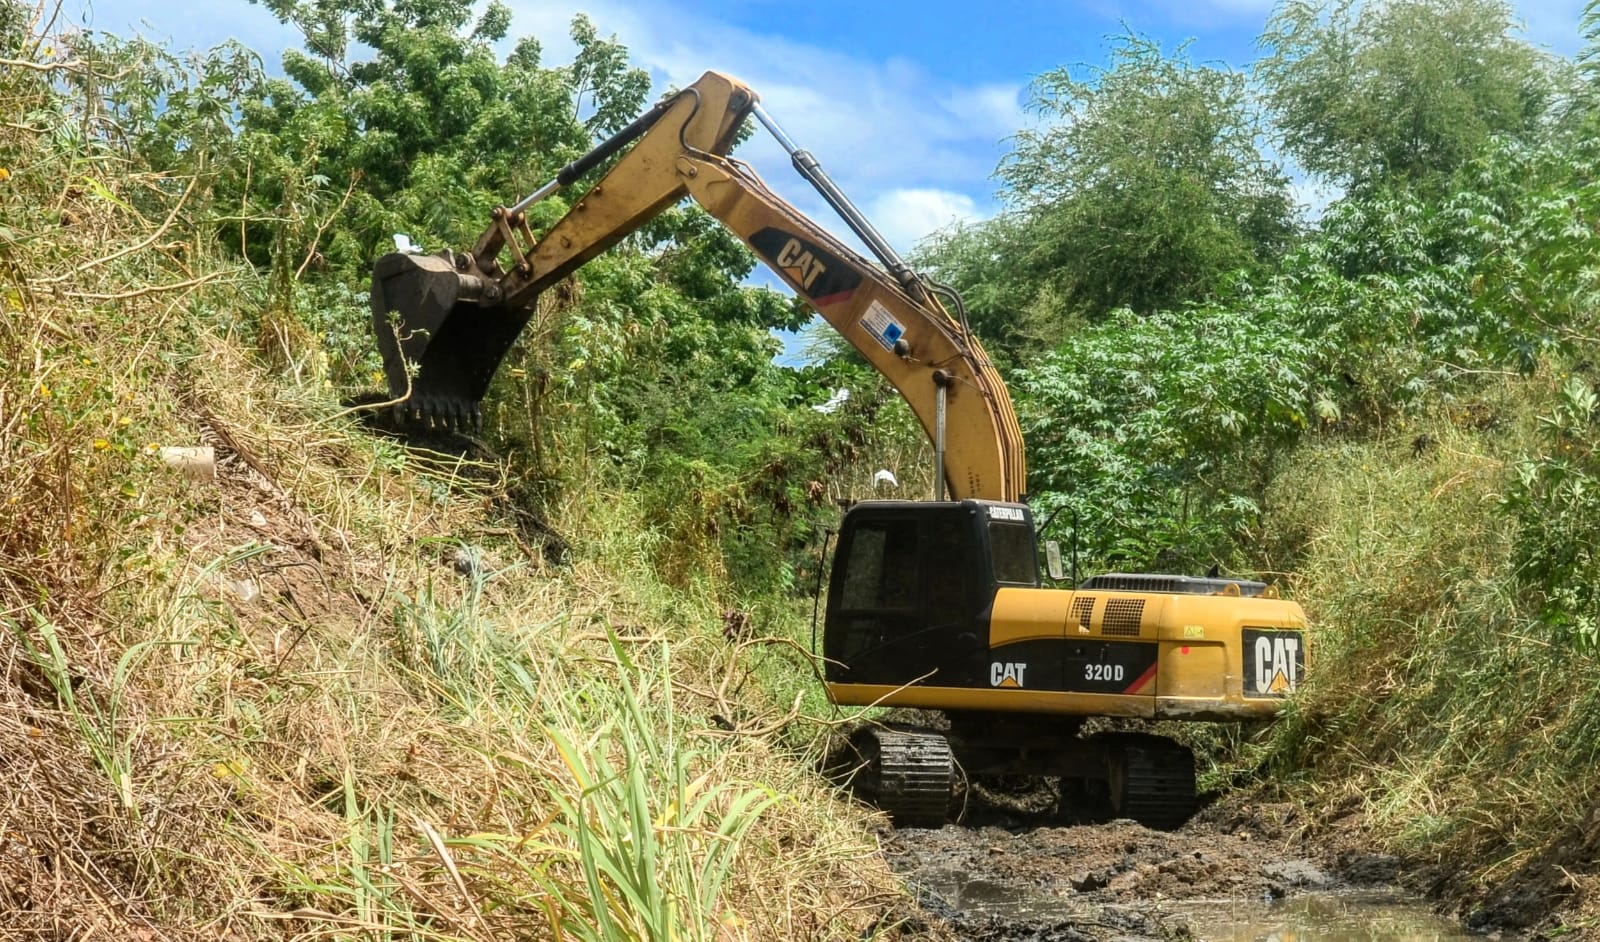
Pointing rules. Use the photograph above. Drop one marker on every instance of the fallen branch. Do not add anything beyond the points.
(94, 263)
(152, 289)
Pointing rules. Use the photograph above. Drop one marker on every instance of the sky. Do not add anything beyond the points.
(907, 105)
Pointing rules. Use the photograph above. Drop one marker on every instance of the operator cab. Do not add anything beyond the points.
(912, 586)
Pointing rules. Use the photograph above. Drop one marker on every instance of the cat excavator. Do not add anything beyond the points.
(935, 605)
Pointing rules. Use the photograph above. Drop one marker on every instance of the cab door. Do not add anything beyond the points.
(903, 600)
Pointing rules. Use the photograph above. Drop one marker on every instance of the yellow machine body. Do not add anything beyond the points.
(1177, 657)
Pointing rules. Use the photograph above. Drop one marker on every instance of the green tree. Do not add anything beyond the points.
(412, 100)
(1404, 91)
(1142, 187)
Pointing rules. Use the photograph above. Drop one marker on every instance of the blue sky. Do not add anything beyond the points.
(907, 105)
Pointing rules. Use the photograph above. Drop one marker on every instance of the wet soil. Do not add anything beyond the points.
(1012, 879)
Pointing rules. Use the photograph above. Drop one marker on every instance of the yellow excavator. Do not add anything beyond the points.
(936, 605)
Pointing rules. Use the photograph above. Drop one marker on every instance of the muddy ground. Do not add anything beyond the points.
(1011, 880)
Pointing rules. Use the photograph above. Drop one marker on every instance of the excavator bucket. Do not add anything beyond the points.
(442, 336)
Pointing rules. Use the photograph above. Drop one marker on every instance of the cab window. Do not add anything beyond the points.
(1015, 558)
(882, 569)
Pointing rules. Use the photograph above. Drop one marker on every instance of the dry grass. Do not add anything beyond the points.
(272, 706)
(1439, 712)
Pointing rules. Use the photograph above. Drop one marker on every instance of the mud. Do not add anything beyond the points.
(1013, 879)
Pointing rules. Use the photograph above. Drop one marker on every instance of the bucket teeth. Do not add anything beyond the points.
(440, 413)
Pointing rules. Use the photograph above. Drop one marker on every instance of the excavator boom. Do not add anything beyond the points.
(445, 322)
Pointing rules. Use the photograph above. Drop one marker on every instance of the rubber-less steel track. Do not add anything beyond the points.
(1152, 781)
(909, 775)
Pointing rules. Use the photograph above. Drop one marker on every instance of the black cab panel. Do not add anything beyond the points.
(912, 586)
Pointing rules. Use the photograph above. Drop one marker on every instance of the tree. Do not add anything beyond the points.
(1142, 188)
(412, 99)
(1145, 187)
(1159, 433)
(1404, 91)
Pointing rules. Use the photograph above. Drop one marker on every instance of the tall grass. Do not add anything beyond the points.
(1440, 708)
(269, 705)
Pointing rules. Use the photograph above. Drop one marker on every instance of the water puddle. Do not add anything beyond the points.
(1307, 916)
(1367, 916)
(982, 897)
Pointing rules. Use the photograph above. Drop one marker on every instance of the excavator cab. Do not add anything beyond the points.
(912, 588)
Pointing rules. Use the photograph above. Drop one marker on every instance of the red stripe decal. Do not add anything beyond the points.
(1142, 679)
(834, 298)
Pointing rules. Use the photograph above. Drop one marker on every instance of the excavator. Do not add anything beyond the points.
(935, 605)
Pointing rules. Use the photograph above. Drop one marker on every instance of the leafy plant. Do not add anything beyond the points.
(1555, 500)
(1160, 433)
(1368, 94)
(654, 840)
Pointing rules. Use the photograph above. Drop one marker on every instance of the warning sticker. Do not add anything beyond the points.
(882, 326)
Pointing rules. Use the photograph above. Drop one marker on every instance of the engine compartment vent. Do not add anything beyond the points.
(1122, 617)
(1172, 585)
(1083, 611)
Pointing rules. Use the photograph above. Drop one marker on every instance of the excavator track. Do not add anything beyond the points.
(908, 775)
(1152, 781)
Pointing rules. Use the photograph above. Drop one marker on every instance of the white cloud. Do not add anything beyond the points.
(989, 109)
(876, 126)
(906, 216)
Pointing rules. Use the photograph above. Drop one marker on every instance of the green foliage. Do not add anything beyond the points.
(1408, 298)
(1162, 433)
(434, 127)
(1367, 93)
(1555, 500)
(1144, 187)
(1158, 434)
(983, 260)
(1589, 58)
(14, 30)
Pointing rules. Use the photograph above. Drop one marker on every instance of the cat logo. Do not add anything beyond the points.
(800, 264)
(1006, 674)
(820, 275)
(1277, 661)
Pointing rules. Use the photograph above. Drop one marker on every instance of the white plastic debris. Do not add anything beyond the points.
(404, 245)
(883, 477)
(197, 463)
(840, 397)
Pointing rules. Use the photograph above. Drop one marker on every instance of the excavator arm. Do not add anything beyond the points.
(445, 322)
